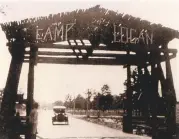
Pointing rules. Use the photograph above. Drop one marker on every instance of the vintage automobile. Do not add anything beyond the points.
(59, 115)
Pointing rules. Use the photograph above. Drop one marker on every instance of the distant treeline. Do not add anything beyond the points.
(102, 100)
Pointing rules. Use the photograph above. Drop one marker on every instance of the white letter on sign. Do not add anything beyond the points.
(124, 35)
(141, 36)
(37, 34)
(48, 32)
(149, 38)
(67, 29)
(132, 40)
(57, 33)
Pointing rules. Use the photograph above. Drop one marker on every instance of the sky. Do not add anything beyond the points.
(54, 82)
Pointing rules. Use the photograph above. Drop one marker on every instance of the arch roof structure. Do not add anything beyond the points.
(95, 21)
(105, 30)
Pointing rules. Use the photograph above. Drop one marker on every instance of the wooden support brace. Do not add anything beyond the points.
(73, 48)
(11, 88)
(170, 97)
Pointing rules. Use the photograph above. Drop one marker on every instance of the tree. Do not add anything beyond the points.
(95, 102)
(105, 89)
(80, 102)
(68, 101)
(58, 103)
(104, 100)
(117, 102)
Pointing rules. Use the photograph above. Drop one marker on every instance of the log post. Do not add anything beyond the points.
(170, 97)
(30, 87)
(153, 103)
(127, 119)
(11, 87)
(30, 84)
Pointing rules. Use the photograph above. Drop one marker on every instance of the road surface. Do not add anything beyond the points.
(76, 128)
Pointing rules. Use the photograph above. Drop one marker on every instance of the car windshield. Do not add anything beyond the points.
(59, 110)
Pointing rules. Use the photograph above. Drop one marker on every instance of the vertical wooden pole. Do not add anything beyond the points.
(30, 87)
(127, 119)
(170, 96)
(154, 92)
(11, 88)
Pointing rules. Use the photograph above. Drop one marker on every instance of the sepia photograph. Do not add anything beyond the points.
(89, 69)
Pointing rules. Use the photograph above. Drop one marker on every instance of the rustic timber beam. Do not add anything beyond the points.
(174, 51)
(60, 46)
(111, 47)
(170, 96)
(30, 83)
(162, 79)
(72, 54)
(25, 30)
(30, 87)
(11, 87)
(127, 118)
(117, 56)
(79, 61)
(153, 99)
(120, 60)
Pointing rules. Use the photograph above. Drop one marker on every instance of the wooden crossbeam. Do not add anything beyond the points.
(130, 47)
(79, 61)
(172, 51)
(120, 60)
(111, 47)
(72, 54)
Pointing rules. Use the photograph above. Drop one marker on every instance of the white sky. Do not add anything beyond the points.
(53, 82)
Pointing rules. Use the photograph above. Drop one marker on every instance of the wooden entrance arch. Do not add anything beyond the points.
(95, 36)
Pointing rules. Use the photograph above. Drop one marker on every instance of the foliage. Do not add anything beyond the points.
(104, 100)
(95, 102)
(58, 103)
(117, 102)
(80, 102)
(68, 102)
(105, 90)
